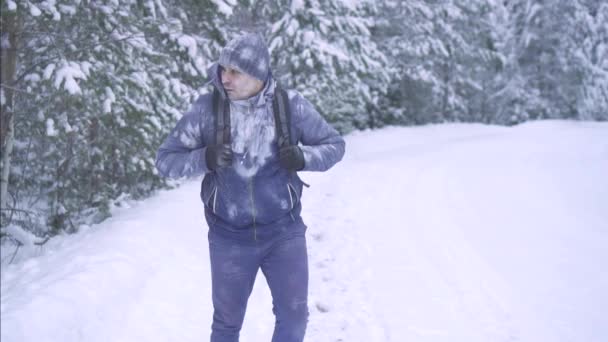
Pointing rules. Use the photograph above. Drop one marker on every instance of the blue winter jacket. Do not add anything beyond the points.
(249, 206)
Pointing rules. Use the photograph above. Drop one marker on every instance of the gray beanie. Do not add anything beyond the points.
(247, 53)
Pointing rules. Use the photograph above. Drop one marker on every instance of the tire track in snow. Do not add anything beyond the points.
(417, 259)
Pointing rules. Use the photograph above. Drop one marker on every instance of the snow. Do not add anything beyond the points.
(34, 11)
(188, 43)
(11, 5)
(5, 42)
(252, 133)
(67, 74)
(48, 71)
(292, 27)
(176, 86)
(329, 49)
(70, 10)
(33, 78)
(225, 6)
(454, 232)
(296, 5)
(21, 235)
(51, 131)
(351, 4)
(109, 100)
(307, 37)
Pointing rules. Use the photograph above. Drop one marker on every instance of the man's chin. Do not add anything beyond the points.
(236, 97)
(231, 94)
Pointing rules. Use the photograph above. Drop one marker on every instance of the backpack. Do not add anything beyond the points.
(280, 107)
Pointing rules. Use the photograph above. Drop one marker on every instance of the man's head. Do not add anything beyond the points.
(245, 66)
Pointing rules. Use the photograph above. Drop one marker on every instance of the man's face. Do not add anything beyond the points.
(238, 85)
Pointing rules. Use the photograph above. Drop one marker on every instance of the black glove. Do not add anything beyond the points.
(218, 156)
(291, 158)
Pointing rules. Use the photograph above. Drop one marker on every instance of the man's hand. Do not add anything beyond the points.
(218, 156)
(291, 158)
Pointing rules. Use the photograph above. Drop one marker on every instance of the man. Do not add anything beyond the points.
(251, 191)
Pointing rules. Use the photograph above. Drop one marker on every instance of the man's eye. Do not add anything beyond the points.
(230, 71)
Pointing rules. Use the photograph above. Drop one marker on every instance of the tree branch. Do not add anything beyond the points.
(16, 89)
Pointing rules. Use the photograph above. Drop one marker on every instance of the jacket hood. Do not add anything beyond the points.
(248, 54)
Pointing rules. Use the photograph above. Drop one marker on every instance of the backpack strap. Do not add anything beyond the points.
(280, 108)
(221, 110)
(282, 117)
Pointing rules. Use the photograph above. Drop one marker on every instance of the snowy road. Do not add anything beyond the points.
(439, 233)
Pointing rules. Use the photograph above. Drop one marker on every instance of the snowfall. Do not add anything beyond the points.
(454, 232)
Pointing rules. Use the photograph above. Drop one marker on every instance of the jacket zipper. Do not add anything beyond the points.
(291, 198)
(253, 211)
(214, 198)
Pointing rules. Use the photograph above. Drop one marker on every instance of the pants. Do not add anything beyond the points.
(234, 265)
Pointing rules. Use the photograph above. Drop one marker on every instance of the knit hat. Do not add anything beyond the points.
(247, 53)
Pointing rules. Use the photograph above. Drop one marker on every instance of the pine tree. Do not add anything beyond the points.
(591, 58)
(100, 83)
(325, 50)
(404, 35)
(544, 77)
(90, 88)
(444, 56)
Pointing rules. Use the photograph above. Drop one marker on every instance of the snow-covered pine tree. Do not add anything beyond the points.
(460, 58)
(544, 77)
(99, 83)
(444, 57)
(590, 58)
(325, 50)
(480, 61)
(512, 98)
(403, 34)
(494, 73)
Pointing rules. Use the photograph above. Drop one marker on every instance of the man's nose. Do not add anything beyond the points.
(226, 79)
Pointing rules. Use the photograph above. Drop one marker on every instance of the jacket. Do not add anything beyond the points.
(256, 195)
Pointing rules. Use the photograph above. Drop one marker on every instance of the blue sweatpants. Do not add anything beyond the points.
(234, 265)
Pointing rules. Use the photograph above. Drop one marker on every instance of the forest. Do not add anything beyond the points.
(90, 88)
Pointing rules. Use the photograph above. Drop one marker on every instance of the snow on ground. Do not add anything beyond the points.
(435, 233)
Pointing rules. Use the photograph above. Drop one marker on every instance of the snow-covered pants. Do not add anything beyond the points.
(234, 265)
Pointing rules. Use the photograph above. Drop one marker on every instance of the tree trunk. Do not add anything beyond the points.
(6, 161)
(8, 50)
